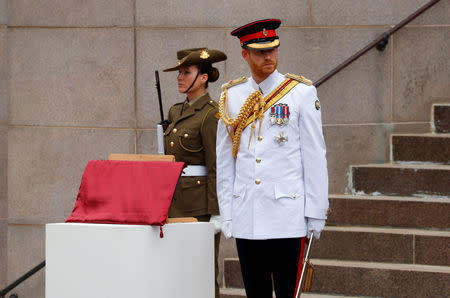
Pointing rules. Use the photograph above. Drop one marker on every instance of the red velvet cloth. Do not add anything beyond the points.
(126, 192)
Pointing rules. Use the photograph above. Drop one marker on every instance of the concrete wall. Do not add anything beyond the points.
(3, 145)
(81, 86)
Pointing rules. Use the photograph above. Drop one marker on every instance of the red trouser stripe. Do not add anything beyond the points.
(300, 265)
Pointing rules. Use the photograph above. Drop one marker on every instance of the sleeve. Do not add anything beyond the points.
(313, 154)
(208, 134)
(225, 172)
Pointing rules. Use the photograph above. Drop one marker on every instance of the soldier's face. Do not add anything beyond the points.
(262, 62)
(186, 75)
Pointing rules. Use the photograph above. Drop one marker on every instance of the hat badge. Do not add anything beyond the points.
(204, 54)
(264, 32)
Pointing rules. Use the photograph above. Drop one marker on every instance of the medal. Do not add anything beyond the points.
(281, 139)
(279, 114)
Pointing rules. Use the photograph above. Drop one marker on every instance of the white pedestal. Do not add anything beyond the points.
(105, 260)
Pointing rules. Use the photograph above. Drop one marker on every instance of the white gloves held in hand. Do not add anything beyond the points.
(226, 228)
(315, 226)
(215, 219)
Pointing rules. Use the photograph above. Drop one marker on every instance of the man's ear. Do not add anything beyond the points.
(244, 54)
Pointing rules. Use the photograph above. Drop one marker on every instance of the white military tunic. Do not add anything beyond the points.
(270, 188)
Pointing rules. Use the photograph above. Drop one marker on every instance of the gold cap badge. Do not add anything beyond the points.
(204, 54)
(264, 32)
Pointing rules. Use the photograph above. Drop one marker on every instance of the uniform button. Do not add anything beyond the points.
(257, 181)
(174, 130)
(234, 196)
(258, 159)
(260, 138)
(198, 182)
(186, 135)
(171, 144)
(294, 196)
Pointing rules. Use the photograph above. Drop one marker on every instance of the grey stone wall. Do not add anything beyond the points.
(81, 86)
(3, 145)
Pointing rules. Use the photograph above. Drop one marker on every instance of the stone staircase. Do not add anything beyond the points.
(391, 236)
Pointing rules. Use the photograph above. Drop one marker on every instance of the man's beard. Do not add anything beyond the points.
(263, 70)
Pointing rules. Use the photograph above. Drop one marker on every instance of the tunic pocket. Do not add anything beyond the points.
(292, 190)
(190, 140)
(194, 193)
(239, 191)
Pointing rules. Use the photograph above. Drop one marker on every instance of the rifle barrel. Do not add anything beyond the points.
(158, 88)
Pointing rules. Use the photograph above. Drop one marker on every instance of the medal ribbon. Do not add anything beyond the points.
(275, 96)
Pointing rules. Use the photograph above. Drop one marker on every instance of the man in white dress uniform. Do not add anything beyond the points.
(272, 181)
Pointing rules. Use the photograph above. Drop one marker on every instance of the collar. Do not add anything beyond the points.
(270, 83)
(197, 103)
(194, 100)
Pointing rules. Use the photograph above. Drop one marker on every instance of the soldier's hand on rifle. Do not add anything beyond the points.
(164, 124)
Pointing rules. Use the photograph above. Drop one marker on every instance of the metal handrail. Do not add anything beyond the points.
(21, 279)
(380, 42)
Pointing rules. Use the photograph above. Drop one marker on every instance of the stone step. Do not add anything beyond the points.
(441, 118)
(240, 293)
(401, 179)
(232, 293)
(387, 245)
(370, 279)
(409, 212)
(379, 279)
(433, 148)
(232, 273)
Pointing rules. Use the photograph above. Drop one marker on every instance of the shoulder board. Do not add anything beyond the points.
(213, 103)
(234, 83)
(301, 79)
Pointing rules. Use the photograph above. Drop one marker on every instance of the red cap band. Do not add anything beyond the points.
(261, 34)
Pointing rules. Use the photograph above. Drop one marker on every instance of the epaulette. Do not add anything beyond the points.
(301, 79)
(234, 83)
(213, 103)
